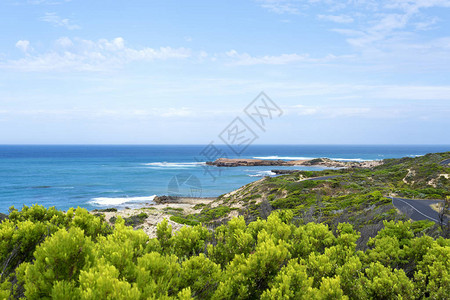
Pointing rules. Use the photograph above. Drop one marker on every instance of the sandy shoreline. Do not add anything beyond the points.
(157, 212)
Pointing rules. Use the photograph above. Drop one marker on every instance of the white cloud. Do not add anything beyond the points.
(412, 92)
(280, 6)
(47, 2)
(336, 18)
(246, 59)
(413, 6)
(57, 21)
(177, 112)
(23, 45)
(303, 110)
(378, 21)
(329, 111)
(427, 24)
(87, 55)
(396, 18)
(64, 42)
(358, 92)
(161, 112)
(297, 7)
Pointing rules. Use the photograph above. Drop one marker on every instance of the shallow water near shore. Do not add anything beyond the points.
(129, 176)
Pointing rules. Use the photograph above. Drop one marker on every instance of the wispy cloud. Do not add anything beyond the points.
(300, 6)
(336, 18)
(47, 2)
(351, 92)
(177, 112)
(384, 34)
(161, 112)
(246, 59)
(427, 24)
(330, 111)
(23, 45)
(87, 55)
(394, 19)
(378, 20)
(393, 112)
(280, 6)
(58, 21)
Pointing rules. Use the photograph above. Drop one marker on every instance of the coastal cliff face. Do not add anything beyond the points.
(323, 162)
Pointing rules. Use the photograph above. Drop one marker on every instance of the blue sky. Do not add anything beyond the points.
(176, 72)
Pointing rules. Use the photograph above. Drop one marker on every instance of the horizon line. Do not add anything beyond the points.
(174, 144)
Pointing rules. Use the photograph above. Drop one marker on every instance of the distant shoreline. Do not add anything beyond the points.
(320, 162)
(70, 176)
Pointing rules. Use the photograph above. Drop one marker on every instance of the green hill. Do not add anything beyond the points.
(353, 195)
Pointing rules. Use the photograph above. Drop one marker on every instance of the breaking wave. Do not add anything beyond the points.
(104, 201)
(173, 165)
(262, 174)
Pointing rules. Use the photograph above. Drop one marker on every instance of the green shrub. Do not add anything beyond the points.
(111, 209)
(184, 221)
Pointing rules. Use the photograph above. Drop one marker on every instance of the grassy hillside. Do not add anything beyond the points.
(353, 195)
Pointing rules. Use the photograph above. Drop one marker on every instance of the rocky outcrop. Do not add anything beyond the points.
(235, 162)
(325, 162)
(283, 172)
(165, 199)
(445, 163)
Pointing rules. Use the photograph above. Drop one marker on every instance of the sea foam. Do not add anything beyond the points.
(173, 164)
(262, 174)
(103, 201)
(349, 159)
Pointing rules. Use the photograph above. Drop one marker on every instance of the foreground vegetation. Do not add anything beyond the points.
(77, 255)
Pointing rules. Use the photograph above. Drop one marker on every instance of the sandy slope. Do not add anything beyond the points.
(158, 212)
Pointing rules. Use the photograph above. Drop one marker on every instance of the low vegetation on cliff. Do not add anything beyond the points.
(358, 196)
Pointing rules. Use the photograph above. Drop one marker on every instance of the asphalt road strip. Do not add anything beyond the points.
(427, 216)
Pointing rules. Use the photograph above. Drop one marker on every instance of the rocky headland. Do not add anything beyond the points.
(322, 162)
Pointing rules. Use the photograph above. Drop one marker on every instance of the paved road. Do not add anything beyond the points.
(445, 162)
(417, 209)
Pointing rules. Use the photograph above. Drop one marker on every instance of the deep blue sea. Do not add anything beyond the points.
(120, 176)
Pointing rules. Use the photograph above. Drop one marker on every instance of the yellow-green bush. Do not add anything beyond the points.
(76, 255)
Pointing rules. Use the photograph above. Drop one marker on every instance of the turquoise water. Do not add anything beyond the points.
(107, 176)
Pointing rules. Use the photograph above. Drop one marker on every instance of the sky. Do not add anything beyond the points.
(180, 72)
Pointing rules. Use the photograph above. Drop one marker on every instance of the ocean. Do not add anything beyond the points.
(129, 176)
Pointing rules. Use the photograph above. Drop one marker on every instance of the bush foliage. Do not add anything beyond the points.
(46, 253)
